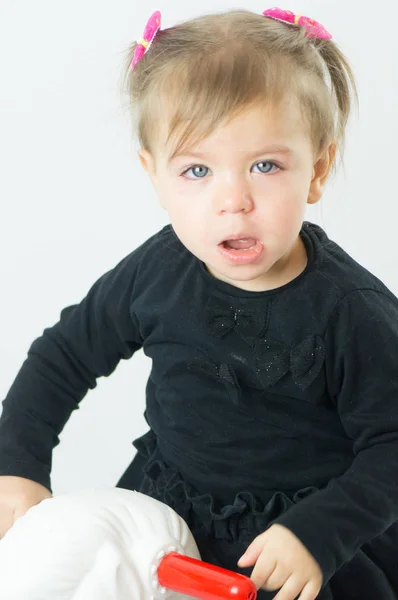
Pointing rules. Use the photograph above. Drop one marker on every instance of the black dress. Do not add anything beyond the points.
(262, 407)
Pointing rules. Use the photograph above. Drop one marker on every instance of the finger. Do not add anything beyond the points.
(277, 578)
(263, 570)
(252, 553)
(310, 591)
(291, 589)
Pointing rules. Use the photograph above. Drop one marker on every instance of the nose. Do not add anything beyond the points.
(233, 198)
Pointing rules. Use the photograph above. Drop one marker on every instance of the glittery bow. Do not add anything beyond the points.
(143, 45)
(313, 28)
(222, 318)
(273, 361)
(223, 374)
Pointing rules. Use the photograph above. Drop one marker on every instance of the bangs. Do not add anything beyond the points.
(214, 92)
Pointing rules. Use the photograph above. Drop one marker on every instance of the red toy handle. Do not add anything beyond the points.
(202, 580)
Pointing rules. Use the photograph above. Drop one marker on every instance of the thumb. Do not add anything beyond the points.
(252, 553)
(22, 509)
(17, 514)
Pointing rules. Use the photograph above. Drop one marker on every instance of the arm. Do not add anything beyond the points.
(362, 374)
(87, 342)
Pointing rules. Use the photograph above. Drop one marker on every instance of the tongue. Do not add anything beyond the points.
(239, 244)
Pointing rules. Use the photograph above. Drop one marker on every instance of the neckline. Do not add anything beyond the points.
(232, 290)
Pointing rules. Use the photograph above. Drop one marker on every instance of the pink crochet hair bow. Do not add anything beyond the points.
(313, 29)
(143, 45)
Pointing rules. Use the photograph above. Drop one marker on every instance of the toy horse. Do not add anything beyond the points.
(109, 544)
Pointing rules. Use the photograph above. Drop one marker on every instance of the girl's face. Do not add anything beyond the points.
(252, 177)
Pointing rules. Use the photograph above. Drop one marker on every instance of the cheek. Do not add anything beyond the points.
(185, 208)
(282, 214)
(192, 236)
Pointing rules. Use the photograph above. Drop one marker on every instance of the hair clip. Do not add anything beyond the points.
(143, 45)
(313, 28)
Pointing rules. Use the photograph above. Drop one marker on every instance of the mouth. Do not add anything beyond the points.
(239, 242)
(241, 249)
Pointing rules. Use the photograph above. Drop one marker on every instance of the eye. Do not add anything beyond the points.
(267, 162)
(202, 176)
(192, 169)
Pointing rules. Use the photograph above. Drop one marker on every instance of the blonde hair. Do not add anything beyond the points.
(203, 72)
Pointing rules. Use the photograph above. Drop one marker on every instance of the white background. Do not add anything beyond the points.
(75, 199)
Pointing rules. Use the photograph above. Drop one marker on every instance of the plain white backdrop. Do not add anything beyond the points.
(75, 199)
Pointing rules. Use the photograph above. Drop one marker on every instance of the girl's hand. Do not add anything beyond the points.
(17, 495)
(282, 561)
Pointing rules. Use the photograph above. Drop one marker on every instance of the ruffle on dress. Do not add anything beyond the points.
(242, 520)
(370, 574)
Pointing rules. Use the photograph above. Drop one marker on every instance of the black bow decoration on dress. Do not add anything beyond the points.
(224, 374)
(273, 360)
(248, 322)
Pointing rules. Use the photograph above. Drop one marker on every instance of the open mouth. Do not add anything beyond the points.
(241, 244)
(242, 250)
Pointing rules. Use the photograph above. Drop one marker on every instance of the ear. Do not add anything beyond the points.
(320, 173)
(148, 163)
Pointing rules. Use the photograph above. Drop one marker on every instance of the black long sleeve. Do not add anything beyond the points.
(362, 374)
(61, 366)
(273, 406)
